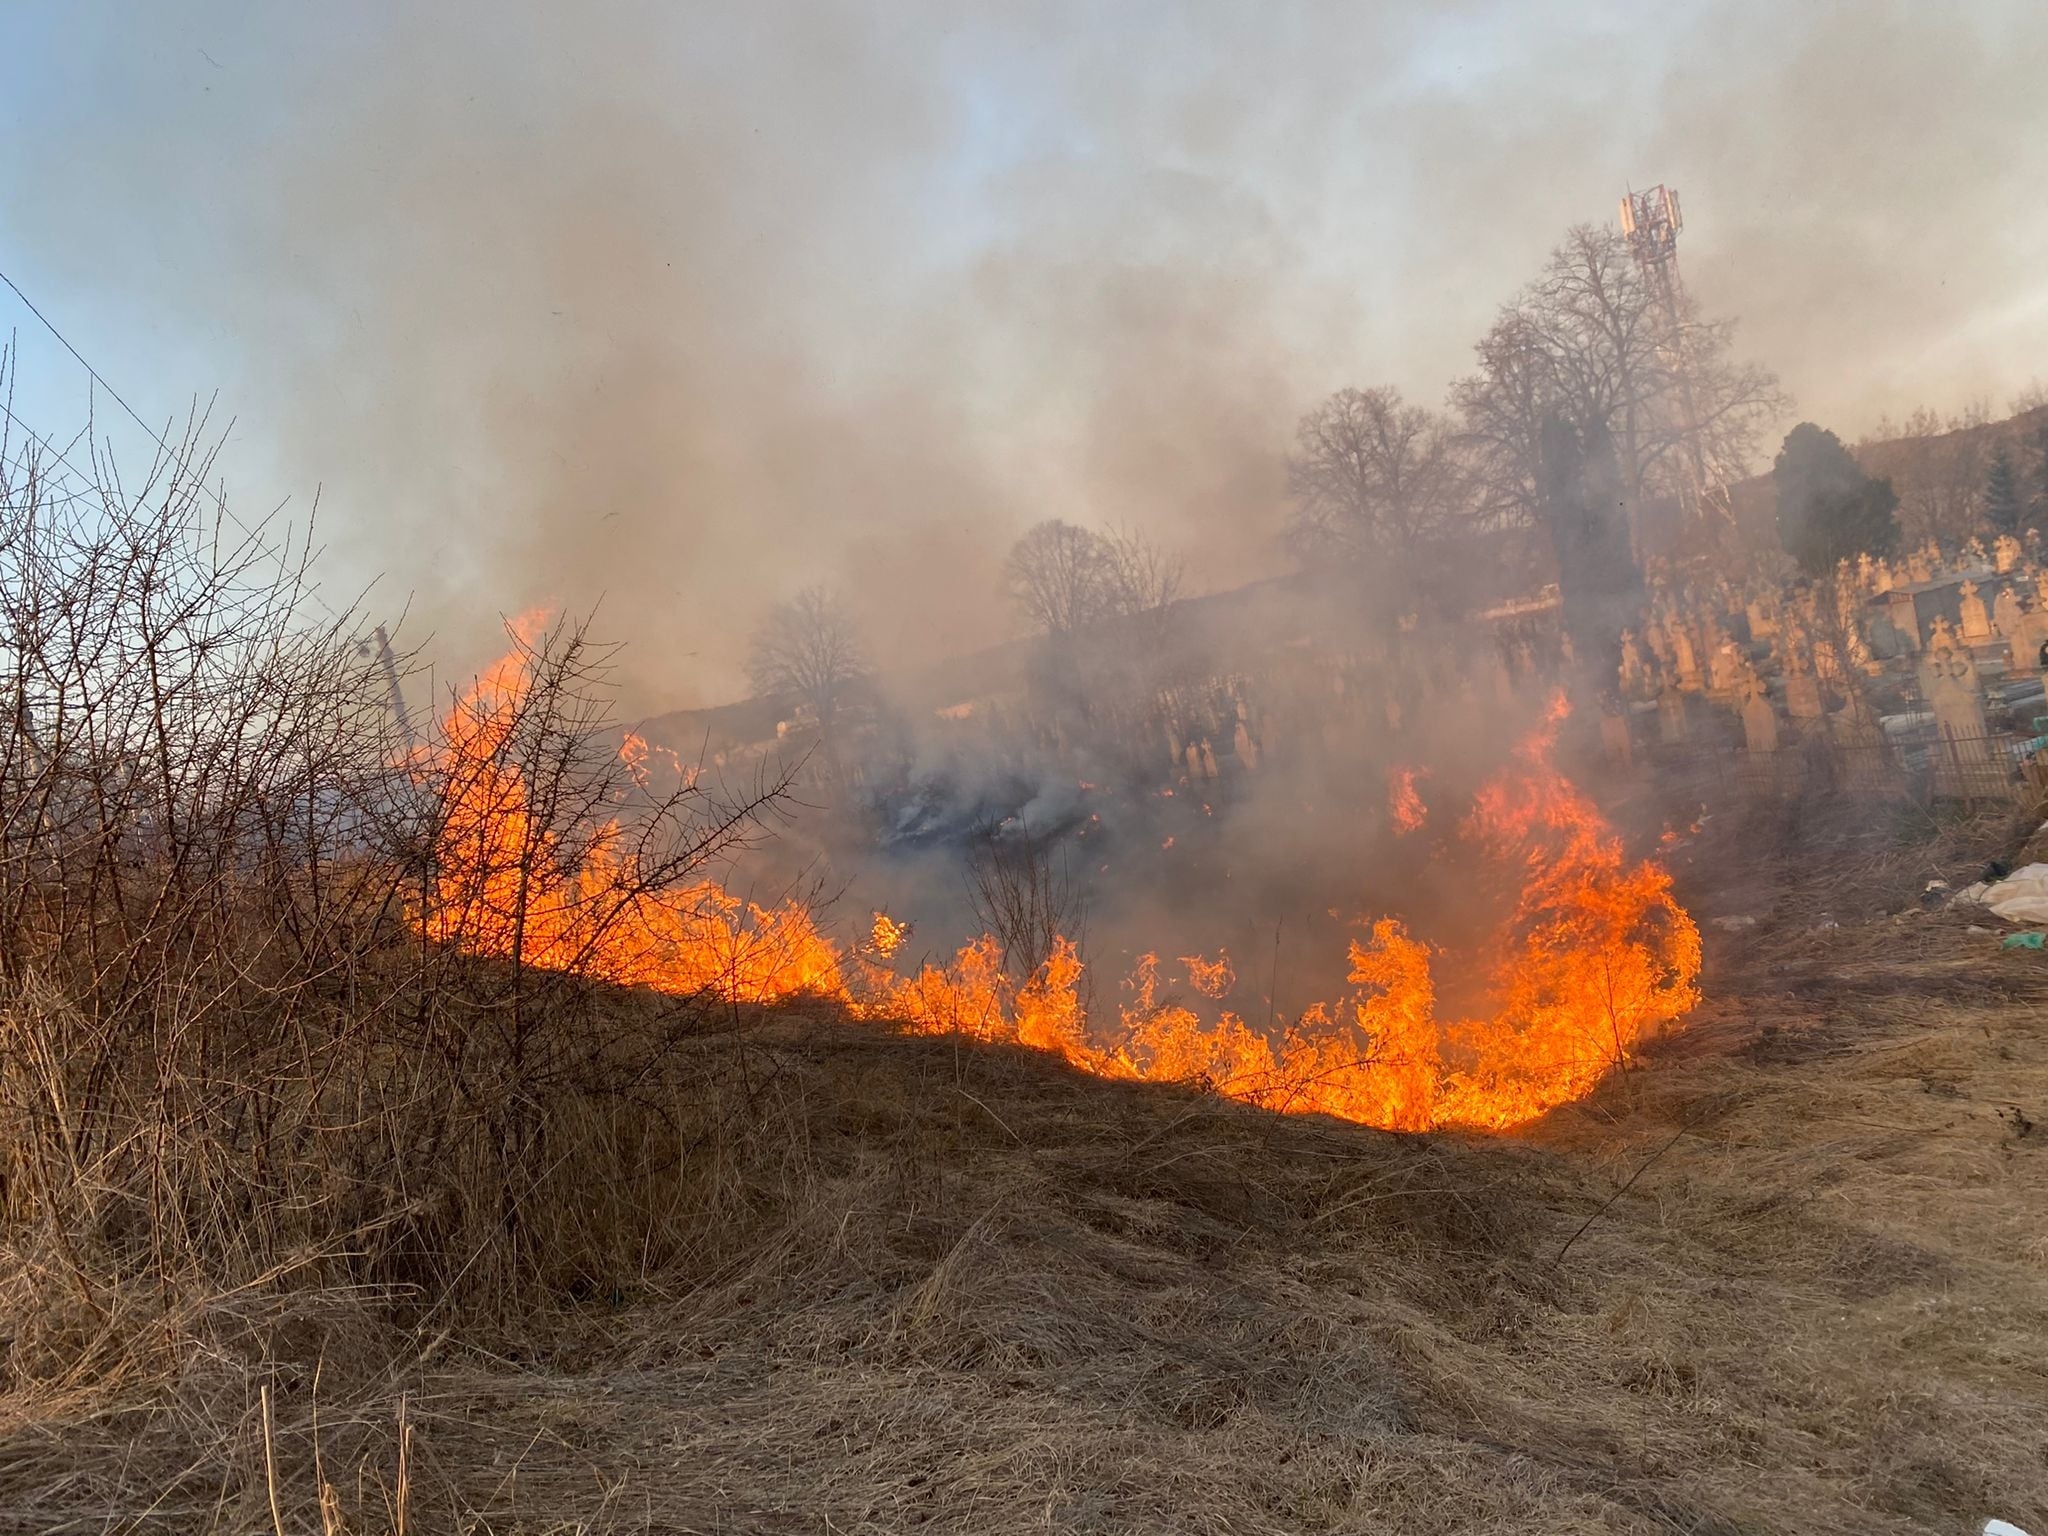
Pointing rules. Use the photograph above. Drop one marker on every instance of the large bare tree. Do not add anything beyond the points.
(1938, 468)
(1141, 576)
(1589, 350)
(809, 649)
(1373, 475)
(1064, 577)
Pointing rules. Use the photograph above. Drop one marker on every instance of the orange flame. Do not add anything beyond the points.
(887, 935)
(1404, 799)
(1594, 956)
(1211, 978)
(505, 885)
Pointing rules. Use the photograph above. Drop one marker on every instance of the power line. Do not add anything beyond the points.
(155, 436)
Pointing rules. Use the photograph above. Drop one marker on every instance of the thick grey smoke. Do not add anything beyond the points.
(684, 308)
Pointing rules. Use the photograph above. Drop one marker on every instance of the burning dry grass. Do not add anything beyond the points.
(852, 1281)
(310, 1220)
(1589, 955)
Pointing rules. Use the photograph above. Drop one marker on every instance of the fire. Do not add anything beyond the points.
(1405, 808)
(504, 884)
(1591, 957)
(886, 935)
(1211, 978)
(1594, 956)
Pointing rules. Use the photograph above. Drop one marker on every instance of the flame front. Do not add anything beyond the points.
(1594, 955)
(504, 885)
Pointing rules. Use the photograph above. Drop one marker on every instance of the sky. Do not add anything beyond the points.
(660, 312)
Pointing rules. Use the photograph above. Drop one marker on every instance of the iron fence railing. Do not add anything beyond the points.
(1923, 765)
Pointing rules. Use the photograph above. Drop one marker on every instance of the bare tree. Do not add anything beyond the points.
(1058, 575)
(1140, 576)
(1938, 468)
(809, 649)
(1372, 474)
(1588, 350)
(1021, 888)
(1064, 577)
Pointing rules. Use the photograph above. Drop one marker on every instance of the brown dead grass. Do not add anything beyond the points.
(1797, 1282)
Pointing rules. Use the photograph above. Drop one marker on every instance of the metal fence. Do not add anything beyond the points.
(1924, 766)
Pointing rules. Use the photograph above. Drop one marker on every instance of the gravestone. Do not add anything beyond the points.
(1614, 737)
(1905, 616)
(1685, 657)
(2005, 611)
(1976, 623)
(1725, 667)
(1802, 696)
(1759, 721)
(1948, 682)
(2026, 638)
(1671, 714)
(1634, 675)
(1247, 750)
(2005, 554)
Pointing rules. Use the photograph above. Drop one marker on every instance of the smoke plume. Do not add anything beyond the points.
(680, 309)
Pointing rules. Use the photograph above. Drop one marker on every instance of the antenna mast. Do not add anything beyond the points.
(1650, 222)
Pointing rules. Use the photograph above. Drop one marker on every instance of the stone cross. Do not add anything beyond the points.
(1948, 681)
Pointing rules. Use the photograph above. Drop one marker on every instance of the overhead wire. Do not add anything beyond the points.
(174, 456)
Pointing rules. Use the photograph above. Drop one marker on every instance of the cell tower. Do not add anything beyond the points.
(1650, 222)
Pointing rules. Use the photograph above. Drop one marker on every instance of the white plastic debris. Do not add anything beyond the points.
(2022, 896)
(2003, 1527)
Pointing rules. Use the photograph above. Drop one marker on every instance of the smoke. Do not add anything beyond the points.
(678, 309)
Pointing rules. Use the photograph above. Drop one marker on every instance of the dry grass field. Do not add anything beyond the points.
(1790, 1274)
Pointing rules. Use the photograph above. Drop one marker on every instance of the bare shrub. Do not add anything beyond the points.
(1021, 887)
(248, 1044)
